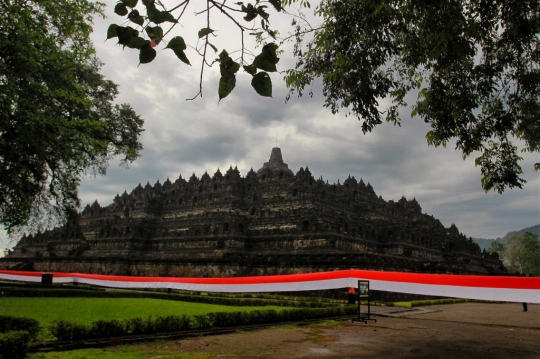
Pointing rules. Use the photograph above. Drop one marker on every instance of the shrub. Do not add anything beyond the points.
(14, 344)
(64, 330)
(8, 323)
(171, 323)
(202, 321)
(107, 328)
(140, 325)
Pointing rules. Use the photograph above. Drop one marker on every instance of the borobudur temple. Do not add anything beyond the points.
(267, 222)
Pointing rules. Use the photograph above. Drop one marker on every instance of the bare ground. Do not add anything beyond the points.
(466, 330)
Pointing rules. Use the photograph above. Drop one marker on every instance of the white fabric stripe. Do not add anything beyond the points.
(481, 293)
(64, 279)
(231, 288)
(495, 294)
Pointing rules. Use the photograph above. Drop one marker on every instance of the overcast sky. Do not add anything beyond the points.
(185, 137)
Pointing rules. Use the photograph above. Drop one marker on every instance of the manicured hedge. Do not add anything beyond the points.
(15, 334)
(60, 293)
(293, 296)
(51, 291)
(14, 344)
(38, 285)
(64, 330)
(421, 303)
(8, 323)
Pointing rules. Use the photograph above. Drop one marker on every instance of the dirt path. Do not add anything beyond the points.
(467, 330)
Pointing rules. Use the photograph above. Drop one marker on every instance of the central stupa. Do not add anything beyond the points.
(275, 166)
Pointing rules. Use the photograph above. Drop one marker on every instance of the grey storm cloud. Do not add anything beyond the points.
(185, 137)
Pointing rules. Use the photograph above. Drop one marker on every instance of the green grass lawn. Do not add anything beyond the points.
(88, 310)
(148, 351)
(166, 349)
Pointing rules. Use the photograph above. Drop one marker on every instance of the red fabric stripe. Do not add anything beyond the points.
(453, 279)
(35, 274)
(434, 279)
(437, 279)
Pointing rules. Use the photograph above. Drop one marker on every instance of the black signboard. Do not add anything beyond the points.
(363, 294)
(363, 288)
(46, 278)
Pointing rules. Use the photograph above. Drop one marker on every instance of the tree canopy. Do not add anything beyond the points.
(475, 64)
(57, 116)
(521, 254)
(499, 248)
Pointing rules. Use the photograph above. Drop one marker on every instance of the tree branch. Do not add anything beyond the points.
(204, 52)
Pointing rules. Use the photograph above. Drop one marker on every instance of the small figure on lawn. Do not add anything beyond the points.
(351, 296)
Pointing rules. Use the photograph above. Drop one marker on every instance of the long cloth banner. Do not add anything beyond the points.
(497, 288)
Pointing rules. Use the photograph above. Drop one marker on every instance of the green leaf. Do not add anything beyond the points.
(152, 13)
(262, 83)
(111, 31)
(182, 56)
(276, 3)
(120, 9)
(250, 16)
(262, 13)
(227, 66)
(126, 34)
(228, 69)
(205, 31)
(165, 16)
(137, 43)
(226, 85)
(147, 53)
(130, 3)
(155, 33)
(250, 69)
(213, 47)
(251, 12)
(158, 17)
(267, 59)
(135, 17)
(177, 43)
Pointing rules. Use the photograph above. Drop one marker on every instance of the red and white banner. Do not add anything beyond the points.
(496, 288)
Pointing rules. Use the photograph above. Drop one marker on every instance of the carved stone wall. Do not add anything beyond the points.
(268, 222)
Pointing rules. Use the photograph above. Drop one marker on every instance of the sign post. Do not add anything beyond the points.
(46, 278)
(363, 293)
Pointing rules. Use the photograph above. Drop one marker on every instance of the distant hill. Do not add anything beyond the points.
(485, 243)
(533, 230)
